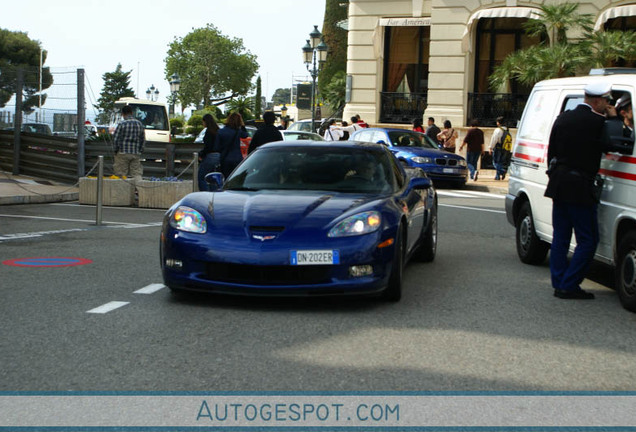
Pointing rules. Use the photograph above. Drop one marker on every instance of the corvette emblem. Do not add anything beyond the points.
(263, 237)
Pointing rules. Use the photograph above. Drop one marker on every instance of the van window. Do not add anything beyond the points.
(572, 102)
(152, 116)
(538, 116)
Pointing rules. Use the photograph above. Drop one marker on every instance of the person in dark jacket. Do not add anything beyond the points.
(574, 154)
(228, 143)
(268, 133)
(209, 157)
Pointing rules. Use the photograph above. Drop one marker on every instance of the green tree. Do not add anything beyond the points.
(281, 96)
(258, 103)
(562, 57)
(19, 52)
(116, 86)
(213, 68)
(336, 39)
(334, 92)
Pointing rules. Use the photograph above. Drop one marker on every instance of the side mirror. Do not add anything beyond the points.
(215, 180)
(419, 183)
(382, 142)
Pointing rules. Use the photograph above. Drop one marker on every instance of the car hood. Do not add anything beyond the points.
(273, 210)
(426, 152)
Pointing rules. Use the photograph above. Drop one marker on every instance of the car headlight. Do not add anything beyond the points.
(462, 162)
(188, 219)
(422, 160)
(362, 223)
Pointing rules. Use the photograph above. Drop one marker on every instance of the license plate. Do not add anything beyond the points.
(314, 257)
(449, 170)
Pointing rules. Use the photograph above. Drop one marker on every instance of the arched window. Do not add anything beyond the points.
(496, 39)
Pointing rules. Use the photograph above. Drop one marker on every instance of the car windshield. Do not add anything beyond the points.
(410, 139)
(152, 116)
(348, 170)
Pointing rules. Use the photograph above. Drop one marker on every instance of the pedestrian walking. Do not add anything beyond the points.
(574, 154)
(268, 133)
(332, 132)
(474, 141)
(209, 157)
(417, 125)
(129, 140)
(500, 147)
(432, 130)
(448, 137)
(228, 143)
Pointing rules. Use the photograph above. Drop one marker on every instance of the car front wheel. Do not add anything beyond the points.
(626, 271)
(393, 291)
(428, 246)
(530, 248)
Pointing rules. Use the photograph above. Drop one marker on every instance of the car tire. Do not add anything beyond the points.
(530, 248)
(626, 271)
(393, 291)
(428, 243)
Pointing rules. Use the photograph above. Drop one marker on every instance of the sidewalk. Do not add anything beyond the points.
(21, 189)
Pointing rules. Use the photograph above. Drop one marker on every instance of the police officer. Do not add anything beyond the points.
(575, 149)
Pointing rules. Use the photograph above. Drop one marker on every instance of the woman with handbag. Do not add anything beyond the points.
(448, 137)
(228, 143)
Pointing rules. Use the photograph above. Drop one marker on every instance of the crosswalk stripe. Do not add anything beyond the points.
(105, 308)
(150, 289)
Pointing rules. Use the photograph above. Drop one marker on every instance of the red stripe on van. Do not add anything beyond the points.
(626, 159)
(618, 174)
(529, 157)
(532, 145)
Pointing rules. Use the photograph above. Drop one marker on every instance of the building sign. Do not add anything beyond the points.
(405, 22)
(303, 98)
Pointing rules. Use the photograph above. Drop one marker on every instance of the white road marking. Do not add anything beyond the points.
(105, 308)
(150, 289)
(65, 219)
(473, 208)
(108, 207)
(469, 194)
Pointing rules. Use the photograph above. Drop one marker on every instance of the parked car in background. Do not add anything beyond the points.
(304, 126)
(292, 135)
(37, 128)
(153, 115)
(416, 150)
(302, 219)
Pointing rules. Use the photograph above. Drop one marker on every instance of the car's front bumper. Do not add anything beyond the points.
(249, 268)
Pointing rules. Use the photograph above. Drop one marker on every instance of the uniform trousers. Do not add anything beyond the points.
(583, 220)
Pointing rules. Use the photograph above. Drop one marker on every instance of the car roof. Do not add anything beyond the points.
(322, 144)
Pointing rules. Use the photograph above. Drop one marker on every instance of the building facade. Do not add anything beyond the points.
(410, 59)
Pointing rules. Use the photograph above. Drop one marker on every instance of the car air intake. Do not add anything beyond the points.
(449, 162)
(267, 275)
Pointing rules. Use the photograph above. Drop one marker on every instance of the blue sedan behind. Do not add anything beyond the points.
(301, 218)
(417, 150)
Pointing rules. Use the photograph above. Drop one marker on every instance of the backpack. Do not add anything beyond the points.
(506, 141)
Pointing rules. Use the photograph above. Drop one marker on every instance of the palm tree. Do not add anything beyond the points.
(562, 57)
(242, 105)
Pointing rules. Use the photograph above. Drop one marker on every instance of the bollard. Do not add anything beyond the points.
(195, 172)
(100, 190)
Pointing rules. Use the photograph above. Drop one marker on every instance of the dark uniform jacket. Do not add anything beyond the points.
(577, 142)
(268, 133)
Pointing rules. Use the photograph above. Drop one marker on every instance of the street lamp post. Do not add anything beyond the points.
(152, 94)
(315, 50)
(175, 84)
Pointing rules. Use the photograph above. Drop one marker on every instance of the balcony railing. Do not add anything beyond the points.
(486, 107)
(401, 107)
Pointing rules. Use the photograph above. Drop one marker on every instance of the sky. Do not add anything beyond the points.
(97, 35)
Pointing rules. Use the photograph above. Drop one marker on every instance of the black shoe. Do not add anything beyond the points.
(578, 294)
(503, 176)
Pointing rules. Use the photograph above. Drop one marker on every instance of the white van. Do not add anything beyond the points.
(153, 115)
(531, 213)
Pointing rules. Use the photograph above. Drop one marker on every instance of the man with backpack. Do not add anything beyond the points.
(501, 148)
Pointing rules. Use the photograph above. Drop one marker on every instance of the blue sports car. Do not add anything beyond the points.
(299, 218)
(417, 150)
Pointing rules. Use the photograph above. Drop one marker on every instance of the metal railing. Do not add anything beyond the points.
(401, 107)
(486, 107)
